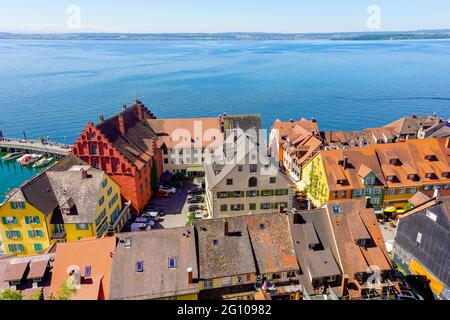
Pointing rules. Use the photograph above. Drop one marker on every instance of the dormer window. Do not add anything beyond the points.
(431, 175)
(361, 243)
(391, 178)
(336, 209)
(412, 176)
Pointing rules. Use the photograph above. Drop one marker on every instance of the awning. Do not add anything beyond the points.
(195, 169)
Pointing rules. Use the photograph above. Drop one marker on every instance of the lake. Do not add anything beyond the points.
(53, 88)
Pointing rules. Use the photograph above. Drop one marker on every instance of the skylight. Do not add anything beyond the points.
(140, 266)
(336, 209)
(172, 263)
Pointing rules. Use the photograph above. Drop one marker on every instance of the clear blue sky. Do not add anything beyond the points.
(222, 15)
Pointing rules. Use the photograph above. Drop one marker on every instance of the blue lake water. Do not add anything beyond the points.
(53, 88)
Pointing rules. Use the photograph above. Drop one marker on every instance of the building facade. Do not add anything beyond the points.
(68, 202)
(126, 148)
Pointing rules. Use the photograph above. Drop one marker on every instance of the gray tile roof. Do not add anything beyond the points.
(156, 280)
(220, 255)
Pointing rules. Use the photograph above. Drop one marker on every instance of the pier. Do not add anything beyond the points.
(30, 146)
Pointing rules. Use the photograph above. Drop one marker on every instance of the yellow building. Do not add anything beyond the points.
(67, 202)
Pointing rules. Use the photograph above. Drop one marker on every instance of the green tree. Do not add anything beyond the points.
(65, 293)
(190, 219)
(34, 296)
(9, 294)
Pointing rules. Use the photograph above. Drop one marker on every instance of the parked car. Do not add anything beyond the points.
(168, 189)
(153, 209)
(135, 227)
(195, 200)
(148, 221)
(195, 207)
(198, 216)
(196, 191)
(153, 215)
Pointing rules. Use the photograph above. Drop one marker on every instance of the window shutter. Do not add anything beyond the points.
(14, 220)
(21, 247)
(40, 234)
(30, 233)
(4, 220)
(27, 220)
(8, 234)
(38, 220)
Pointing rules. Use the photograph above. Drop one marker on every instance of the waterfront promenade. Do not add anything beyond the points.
(30, 146)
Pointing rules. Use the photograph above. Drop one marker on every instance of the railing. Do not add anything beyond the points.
(58, 235)
(125, 211)
(36, 146)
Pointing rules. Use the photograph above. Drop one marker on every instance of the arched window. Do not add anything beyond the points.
(93, 149)
(253, 182)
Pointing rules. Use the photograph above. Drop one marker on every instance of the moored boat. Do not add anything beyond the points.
(30, 159)
(12, 156)
(43, 162)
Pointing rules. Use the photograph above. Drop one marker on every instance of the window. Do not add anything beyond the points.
(431, 215)
(16, 205)
(166, 161)
(411, 190)
(252, 206)
(32, 220)
(377, 191)
(93, 149)
(229, 182)
(367, 191)
(266, 193)
(265, 206)
(172, 263)
(358, 192)
(100, 218)
(113, 200)
(226, 282)
(237, 207)
(9, 220)
(240, 168)
(273, 180)
(370, 180)
(87, 271)
(16, 247)
(376, 201)
(281, 192)
(223, 208)
(101, 201)
(336, 209)
(428, 188)
(253, 168)
(208, 284)
(104, 183)
(238, 194)
(335, 194)
(13, 234)
(109, 191)
(140, 266)
(390, 192)
(253, 182)
(252, 193)
(419, 237)
(38, 247)
(82, 226)
(344, 194)
(222, 195)
(35, 234)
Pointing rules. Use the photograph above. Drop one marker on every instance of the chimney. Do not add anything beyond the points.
(102, 118)
(140, 110)
(225, 228)
(77, 276)
(345, 162)
(345, 280)
(190, 275)
(122, 124)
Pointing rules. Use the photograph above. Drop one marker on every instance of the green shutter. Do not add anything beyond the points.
(8, 234)
(38, 220)
(30, 233)
(27, 220)
(21, 248)
(4, 220)
(40, 234)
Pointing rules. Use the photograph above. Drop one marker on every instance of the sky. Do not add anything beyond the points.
(162, 16)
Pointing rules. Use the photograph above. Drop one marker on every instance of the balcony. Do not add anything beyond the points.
(113, 228)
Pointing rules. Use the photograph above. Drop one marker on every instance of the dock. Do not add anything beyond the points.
(31, 146)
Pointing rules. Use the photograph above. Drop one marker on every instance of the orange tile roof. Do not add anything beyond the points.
(410, 157)
(96, 253)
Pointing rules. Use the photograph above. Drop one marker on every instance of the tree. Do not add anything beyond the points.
(35, 296)
(9, 294)
(65, 293)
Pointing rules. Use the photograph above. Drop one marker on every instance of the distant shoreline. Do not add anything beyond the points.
(236, 36)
